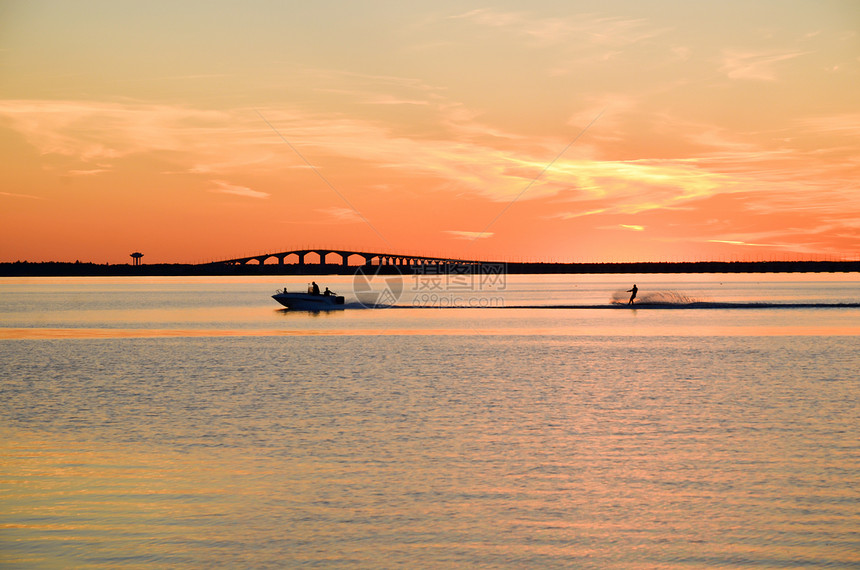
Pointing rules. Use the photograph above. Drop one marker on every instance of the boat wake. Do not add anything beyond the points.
(665, 299)
(712, 305)
(645, 305)
(622, 297)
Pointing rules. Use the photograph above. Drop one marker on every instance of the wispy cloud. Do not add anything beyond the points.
(227, 188)
(99, 132)
(14, 195)
(334, 216)
(228, 143)
(462, 234)
(572, 215)
(737, 242)
(601, 30)
(89, 172)
(843, 123)
(392, 100)
(341, 215)
(465, 157)
(757, 65)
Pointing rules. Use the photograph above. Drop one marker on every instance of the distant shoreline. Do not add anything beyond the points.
(78, 269)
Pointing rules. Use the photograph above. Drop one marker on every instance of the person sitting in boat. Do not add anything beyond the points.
(315, 289)
(328, 292)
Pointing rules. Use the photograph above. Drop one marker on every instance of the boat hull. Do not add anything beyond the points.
(309, 301)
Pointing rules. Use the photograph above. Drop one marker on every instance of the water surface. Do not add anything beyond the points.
(190, 422)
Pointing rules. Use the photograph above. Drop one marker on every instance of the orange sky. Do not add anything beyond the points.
(725, 130)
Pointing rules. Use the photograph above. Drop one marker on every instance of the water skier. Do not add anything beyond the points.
(633, 294)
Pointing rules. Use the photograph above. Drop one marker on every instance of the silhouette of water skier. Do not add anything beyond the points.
(633, 293)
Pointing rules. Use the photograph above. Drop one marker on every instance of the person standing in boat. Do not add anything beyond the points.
(633, 294)
(315, 289)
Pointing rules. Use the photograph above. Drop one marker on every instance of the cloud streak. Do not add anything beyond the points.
(754, 65)
(593, 29)
(226, 188)
(468, 235)
(16, 195)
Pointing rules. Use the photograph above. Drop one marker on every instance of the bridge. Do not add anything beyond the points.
(370, 258)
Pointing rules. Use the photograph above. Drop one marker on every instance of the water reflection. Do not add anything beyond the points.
(432, 451)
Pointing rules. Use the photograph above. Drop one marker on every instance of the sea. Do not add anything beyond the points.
(433, 421)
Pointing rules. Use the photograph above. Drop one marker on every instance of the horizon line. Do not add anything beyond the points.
(449, 259)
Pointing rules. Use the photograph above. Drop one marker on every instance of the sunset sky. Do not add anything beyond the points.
(540, 130)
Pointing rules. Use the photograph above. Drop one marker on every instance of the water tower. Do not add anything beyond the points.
(135, 258)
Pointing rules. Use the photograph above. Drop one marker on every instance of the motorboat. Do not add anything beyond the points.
(309, 301)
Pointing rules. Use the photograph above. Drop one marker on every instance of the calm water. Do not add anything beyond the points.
(178, 422)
